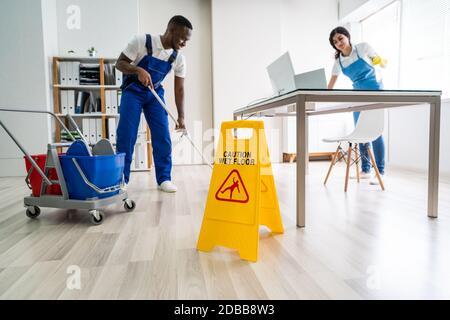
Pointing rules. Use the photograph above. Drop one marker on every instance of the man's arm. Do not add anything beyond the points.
(124, 65)
(179, 101)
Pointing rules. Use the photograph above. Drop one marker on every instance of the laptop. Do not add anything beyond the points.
(284, 80)
(281, 74)
(315, 79)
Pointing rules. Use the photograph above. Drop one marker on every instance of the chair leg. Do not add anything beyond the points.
(374, 164)
(356, 162)
(333, 162)
(343, 155)
(348, 166)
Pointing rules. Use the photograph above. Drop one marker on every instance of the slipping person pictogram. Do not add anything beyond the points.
(231, 188)
(231, 183)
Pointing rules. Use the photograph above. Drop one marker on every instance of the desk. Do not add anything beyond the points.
(301, 104)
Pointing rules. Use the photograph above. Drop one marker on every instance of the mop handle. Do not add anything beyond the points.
(176, 122)
(163, 105)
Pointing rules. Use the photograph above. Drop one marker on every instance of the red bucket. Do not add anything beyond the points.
(36, 179)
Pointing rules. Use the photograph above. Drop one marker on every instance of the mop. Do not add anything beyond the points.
(185, 132)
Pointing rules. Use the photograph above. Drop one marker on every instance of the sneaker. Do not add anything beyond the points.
(375, 182)
(167, 186)
(362, 175)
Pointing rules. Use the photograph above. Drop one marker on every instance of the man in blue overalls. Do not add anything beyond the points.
(145, 62)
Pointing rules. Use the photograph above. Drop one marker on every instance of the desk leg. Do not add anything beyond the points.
(301, 160)
(306, 145)
(433, 158)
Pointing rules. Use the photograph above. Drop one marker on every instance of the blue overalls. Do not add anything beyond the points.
(136, 98)
(363, 77)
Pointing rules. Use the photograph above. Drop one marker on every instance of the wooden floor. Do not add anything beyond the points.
(366, 244)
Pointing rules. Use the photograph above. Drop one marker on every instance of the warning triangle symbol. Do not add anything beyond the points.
(233, 189)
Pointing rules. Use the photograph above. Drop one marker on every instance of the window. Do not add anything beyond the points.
(414, 35)
(425, 45)
(382, 31)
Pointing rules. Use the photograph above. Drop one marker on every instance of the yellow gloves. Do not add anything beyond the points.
(378, 60)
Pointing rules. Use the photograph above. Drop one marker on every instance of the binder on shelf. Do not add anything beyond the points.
(110, 77)
(71, 101)
(85, 129)
(108, 103)
(145, 158)
(112, 130)
(113, 101)
(119, 76)
(141, 150)
(140, 155)
(142, 124)
(141, 137)
(64, 102)
(99, 129)
(63, 73)
(69, 70)
(119, 97)
(76, 72)
(92, 131)
(133, 160)
(81, 100)
(137, 155)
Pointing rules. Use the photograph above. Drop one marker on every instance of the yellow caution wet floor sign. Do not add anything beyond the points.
(242, 193)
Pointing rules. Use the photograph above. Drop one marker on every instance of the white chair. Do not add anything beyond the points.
(369, 127)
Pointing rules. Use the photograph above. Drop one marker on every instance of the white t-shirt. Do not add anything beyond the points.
(136, 50)
(365, 52)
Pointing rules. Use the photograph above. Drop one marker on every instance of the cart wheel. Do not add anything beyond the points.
(129, 205)
(96, 217)
(33, 212)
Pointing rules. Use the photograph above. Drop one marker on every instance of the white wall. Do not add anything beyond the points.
(153, 17)
(50, 38)
(306, 26)
(107, 25)
(23, 80)
(246, 39)
(408, 138)
(347, 7)
(356, 10)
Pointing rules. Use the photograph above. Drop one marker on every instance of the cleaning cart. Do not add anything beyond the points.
(67, 181)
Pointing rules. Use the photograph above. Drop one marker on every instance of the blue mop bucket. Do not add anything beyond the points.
(102, 171)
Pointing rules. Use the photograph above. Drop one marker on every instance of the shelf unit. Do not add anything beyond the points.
(92, 115)
(57, 88)
(86, 87)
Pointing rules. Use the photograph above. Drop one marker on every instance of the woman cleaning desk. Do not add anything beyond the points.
(358, 63)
